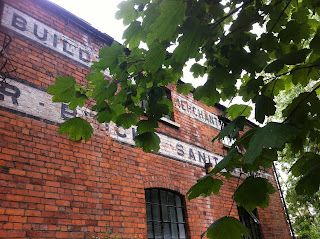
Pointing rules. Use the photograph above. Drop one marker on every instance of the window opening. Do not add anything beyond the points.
(251, 221)
(165, 214)
(168, 96)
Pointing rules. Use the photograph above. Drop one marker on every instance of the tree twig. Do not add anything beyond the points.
(274, 25)
(298, 105)
(214, 25)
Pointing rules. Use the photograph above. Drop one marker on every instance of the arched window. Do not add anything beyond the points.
(165, 214)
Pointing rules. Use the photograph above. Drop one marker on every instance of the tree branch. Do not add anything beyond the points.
(296, 69)
(214, 25)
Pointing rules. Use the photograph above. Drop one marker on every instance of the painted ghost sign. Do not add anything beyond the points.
(35, 30)
(31, 100)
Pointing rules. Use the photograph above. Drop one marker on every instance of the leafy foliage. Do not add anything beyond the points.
(253, 192)
(310, 182)
(77, 128)
(265, 106)
(205, 187)
(235, 111)
(184, 88)
(65, 90)
(273, 135)
(232, 129)
(149, 141)
(229, 162)
(237, 62)
(227, 228)
(303, 209)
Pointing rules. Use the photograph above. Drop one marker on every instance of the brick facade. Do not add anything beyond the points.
(51, 187)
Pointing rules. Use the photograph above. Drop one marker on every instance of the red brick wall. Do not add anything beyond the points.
(51, 187)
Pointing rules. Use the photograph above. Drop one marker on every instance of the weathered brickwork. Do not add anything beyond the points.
(51, 187)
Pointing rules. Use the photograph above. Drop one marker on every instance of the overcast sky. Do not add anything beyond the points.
(99, 13)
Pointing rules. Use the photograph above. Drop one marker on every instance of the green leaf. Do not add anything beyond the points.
(126, 120)
(172, 13)
(193, 34)
(309, 183)
(305, 163)
(235, 111)
(95, 77)
(155, 57)
(104, 90)
(147, 126)
(277, 17)
(274, 66)
(244, 141)
(205, 186)
(259, 61)
(197, 69)
(127, 12)
(302, 15)
(104, 115)
(148, 141)
(226, 228)
(77, 128)
(265, 160)
(250, 88)
(120, 98)
(273, 135)
(109, 57)
(117, 109)
(232, 128)
(300, 76)
(295, 57)
(291, 58)
(253, 192)
(229, 162)
(314, 44)
(265, 106)
(298, 110)
(207, 93)
(294, 31)
(185, 88)
(64, 91)
(133, 35)
(107, 113)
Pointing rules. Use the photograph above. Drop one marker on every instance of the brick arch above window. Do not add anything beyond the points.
(165, 183)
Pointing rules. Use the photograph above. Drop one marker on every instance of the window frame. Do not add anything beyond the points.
(171, 215)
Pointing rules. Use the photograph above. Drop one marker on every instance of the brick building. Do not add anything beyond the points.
(51, 187)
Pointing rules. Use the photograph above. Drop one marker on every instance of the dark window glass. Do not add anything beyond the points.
(251, 221)
(165, 214)
(168, 96)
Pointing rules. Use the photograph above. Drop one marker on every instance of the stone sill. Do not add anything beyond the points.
(170, 122)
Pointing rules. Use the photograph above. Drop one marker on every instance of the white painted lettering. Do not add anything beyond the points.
(18, 22)
(35, 30)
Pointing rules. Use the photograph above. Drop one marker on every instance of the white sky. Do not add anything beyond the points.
(101, 15)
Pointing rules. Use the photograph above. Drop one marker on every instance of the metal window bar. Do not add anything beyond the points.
(251, 223)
